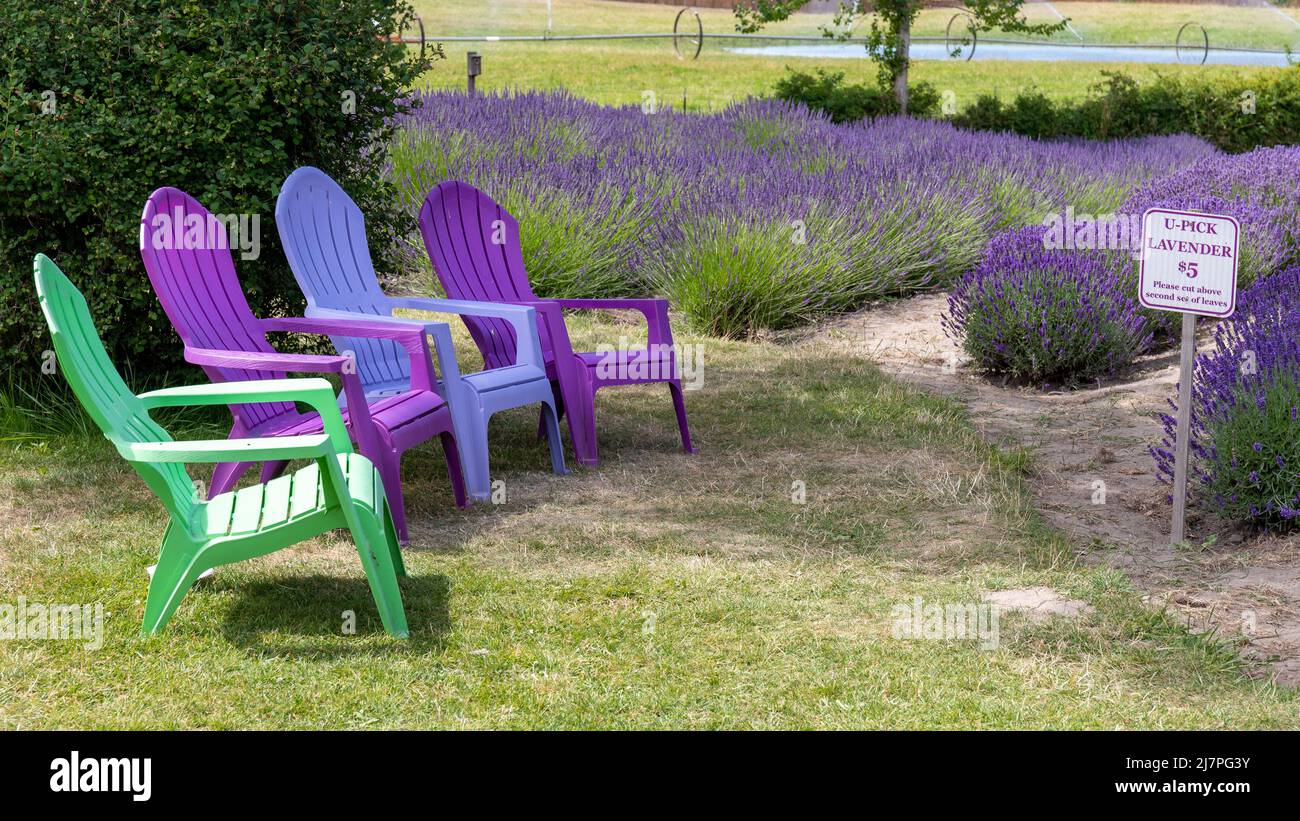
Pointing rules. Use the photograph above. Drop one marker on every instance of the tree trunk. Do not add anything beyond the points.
(905, 50)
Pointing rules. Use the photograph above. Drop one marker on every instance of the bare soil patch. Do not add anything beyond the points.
(1095, 480)
(1038, 603)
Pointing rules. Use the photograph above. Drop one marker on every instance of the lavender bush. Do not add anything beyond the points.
(761, 216)
(1045, 315)
(1261, 188)
(1245, 440)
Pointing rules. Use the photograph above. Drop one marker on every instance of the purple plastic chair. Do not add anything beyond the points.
(201, 294)
(324, 238)
(474, 245)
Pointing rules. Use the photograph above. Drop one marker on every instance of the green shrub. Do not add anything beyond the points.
(733, 275)
(846, 102)
(1234, 113)
(987, 113)
(1033, 115)
(106, 101)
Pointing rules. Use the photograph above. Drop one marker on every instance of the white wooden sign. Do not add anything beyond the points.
(1189, 262)
(1189, 265)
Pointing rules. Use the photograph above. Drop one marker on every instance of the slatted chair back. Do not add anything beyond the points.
(474, 245)
(110, 403)
(186, 253)
(324, 237)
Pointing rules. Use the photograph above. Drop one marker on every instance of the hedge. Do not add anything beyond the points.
(105, 101)
(1236, 113)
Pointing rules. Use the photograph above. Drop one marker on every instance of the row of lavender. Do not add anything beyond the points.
(761, 217)
(766, 217)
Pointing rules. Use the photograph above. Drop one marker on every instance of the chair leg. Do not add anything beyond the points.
(541, 424)
(589, 454)
(394, 547)
(679, 403)
(550, 422)
(225, 475)
(175, 574)
(373, 546)
(474, 457)
(377, 553)
(574, 393)
(390, 471)
(454, 469)
(559, 410)
(270, 470)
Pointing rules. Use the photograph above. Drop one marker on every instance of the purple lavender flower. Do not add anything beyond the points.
(1244, 400)
(1045, 315)
(1261, 188)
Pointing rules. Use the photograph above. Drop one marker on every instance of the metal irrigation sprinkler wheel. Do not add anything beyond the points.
(682, 34)
(971, 36)
(411, 32)
(1179, 47)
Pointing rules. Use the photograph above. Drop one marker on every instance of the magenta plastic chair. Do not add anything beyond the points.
(324, 237)
(474, 245)
(201, 294)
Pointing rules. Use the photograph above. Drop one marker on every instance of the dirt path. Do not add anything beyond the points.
(1095, 480)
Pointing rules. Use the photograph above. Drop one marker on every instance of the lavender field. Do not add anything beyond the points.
(766, 217)
(762, 217)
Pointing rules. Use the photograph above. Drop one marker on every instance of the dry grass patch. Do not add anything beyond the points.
(658, 590)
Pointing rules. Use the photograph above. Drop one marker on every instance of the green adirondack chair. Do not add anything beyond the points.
(340, 489)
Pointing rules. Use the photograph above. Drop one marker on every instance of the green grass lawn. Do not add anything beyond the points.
(658, 590)
(1112, 22)
(620, 72)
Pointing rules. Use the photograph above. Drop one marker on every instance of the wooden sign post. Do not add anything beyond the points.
(1189, 265)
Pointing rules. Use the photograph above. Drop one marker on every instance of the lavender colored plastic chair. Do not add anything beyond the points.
(324, 238)
(201, 294)
(474, 245)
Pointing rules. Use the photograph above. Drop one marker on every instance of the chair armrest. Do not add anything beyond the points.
(500, 310)
(551, 314)
(268, 449)
(443, 348)
(363, 325)
(410, 338)
(641, 305)
(523, 318)
(310, 390)
(266, 361)
(314, 392)
(358, 409)
(655, 312)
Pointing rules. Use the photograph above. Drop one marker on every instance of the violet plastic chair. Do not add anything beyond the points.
(201, 294)
(324, 238)
(474, 245)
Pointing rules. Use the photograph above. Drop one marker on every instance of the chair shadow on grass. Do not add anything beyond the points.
(307, 616)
